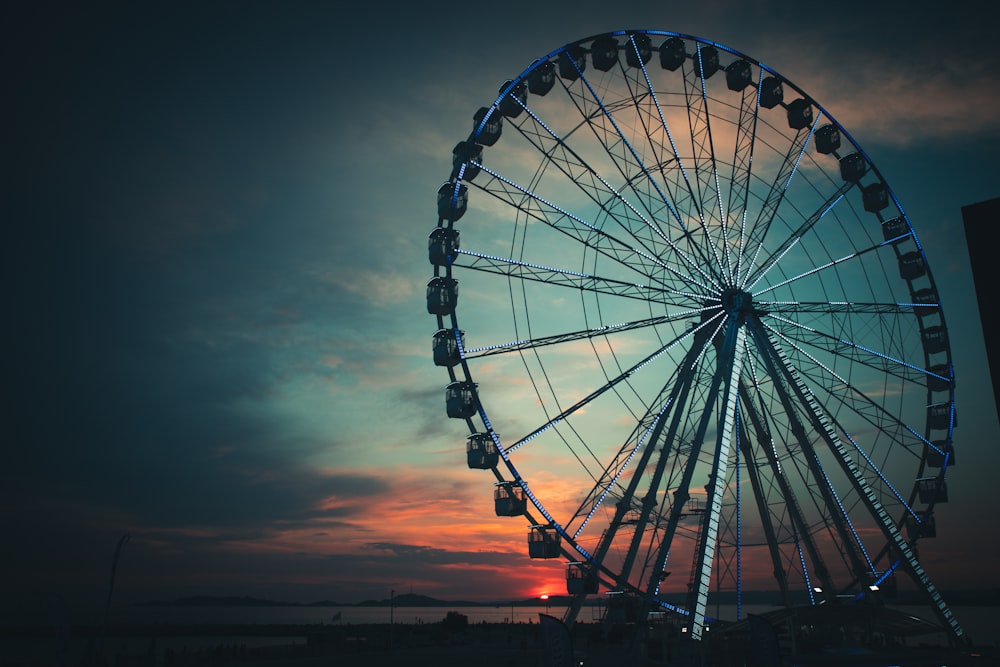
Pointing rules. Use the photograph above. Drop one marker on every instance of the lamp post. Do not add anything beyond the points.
(392, 614)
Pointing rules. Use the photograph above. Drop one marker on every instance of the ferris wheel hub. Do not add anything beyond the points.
(736, 301)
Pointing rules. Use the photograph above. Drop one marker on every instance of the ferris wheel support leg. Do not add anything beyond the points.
(733, 358)
(823, 425)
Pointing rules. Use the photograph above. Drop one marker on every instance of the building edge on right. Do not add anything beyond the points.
(981, 221)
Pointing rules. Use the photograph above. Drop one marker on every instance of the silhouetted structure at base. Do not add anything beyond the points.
(865, 635)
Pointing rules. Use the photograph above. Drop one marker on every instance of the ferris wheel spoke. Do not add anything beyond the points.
(589, 398)
(783, 496)
(841, 347)
(843, 391)
(776, 194)
(613, 141)
(587, 234)
(857, 546)
(631, 166)
(739, 192)
(535, 207)
(827, 266)
(605, 485)
(645, 431)
(762, 269)
(565, 278)
(885, 426)
(640, 226)
(786, 529)
(654, 122)
(583, 334)
(706, 200)
(776, 363)
(843, 308)
(876, 471)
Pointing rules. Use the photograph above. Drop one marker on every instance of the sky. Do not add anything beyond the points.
(215, 258)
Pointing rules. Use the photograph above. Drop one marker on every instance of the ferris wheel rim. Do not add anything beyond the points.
(445, 271)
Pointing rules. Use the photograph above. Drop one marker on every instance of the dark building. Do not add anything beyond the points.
(982, 225)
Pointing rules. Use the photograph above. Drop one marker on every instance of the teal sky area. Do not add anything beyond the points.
(215, 260)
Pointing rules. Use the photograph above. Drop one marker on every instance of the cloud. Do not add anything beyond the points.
(365, 285)
(408, 550)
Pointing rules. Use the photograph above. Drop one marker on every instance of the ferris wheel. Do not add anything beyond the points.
(698, 345)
